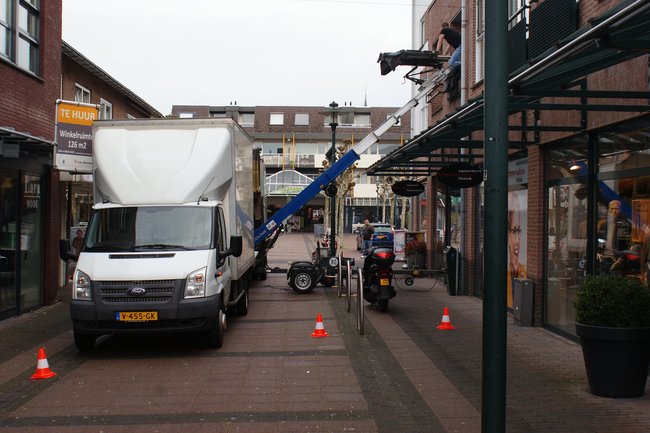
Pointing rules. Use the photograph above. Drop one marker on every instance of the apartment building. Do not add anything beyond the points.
(295, 141)
(578, 139)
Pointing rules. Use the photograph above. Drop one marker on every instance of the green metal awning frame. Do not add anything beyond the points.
(619, 35)
(13, 142)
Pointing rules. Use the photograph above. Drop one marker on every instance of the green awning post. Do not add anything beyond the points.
(496, 217)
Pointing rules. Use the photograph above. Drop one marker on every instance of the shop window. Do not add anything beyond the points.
(622, 214)
(566, 253)
(624, 151)
(30, 243)
(568, 160)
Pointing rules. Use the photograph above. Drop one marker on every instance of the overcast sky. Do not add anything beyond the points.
(254, 52)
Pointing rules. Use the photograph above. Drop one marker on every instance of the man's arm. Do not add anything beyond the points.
(441, 39)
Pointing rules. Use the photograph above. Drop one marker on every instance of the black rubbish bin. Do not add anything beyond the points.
(523, 292)
(451, 265)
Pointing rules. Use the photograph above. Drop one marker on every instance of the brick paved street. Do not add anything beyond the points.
(401, 375)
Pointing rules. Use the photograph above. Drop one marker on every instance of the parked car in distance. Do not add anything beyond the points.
(382, 237)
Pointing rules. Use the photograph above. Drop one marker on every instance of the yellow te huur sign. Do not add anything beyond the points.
(73, 137)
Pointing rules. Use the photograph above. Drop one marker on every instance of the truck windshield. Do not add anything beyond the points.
(150, 228)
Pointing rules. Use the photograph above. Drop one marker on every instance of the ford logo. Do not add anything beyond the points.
(136, 291)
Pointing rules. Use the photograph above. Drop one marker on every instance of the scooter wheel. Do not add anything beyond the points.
(408, 281)
(302, 282)
(383, 305)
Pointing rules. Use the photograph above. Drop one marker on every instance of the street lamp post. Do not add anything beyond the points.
(332, 159)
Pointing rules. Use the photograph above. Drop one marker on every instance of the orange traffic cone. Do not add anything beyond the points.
(445, 325)
(42, 367)
(320, 329)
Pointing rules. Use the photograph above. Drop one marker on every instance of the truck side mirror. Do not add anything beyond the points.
(235, 247)
(65, 252)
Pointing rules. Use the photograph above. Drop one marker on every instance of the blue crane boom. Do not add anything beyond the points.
(294, 205)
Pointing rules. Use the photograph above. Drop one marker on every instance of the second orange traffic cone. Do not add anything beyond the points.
(445, 325)
(42, 367)
(320, 329)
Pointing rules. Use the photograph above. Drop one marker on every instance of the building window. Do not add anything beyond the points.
(517, 10)
(479, 52)
(186, 115)
(423, 42)
(302, 119)
(105, 109)
(362, 120)
(19, 33)
(399, 121)
(277, 119)
(81, 94)
(247, 119)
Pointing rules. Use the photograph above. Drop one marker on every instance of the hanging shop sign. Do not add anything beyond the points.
(460, 175)
(73, 138)
(408, 188)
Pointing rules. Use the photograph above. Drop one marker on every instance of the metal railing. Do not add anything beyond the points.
(345, 289)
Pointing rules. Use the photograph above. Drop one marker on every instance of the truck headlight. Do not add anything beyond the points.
(195, 284)
(81, 286)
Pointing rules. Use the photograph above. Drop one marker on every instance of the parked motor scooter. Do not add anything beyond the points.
(378, 277)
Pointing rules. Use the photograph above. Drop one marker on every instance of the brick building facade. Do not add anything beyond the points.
(578, 91)
(34, 62)
(29, 188)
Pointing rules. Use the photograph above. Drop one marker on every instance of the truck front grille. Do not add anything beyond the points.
(155, 291)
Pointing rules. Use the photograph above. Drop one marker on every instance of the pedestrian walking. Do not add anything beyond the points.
(366, 235)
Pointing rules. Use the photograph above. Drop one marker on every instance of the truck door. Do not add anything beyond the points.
(223, 263)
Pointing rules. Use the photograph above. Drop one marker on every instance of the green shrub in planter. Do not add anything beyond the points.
(613, 323)
(609, 300)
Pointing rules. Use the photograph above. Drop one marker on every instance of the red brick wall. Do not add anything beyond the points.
(632, 75)
(28, 102)
(536, 236)
(73, 73)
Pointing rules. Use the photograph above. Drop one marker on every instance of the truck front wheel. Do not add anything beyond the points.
(214, 335)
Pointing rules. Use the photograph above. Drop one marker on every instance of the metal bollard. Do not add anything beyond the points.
(360, 310)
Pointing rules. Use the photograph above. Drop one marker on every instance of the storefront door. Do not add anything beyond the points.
(20, 243)
(8, 243)
(31, 270)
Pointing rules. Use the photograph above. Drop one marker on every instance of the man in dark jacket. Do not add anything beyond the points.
(453, 39)
(366, 235)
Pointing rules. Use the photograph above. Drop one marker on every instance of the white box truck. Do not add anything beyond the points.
(169, 247)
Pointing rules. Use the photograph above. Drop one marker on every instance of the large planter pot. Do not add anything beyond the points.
(616, 359)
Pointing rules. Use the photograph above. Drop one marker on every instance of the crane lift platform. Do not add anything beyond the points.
(267, 233)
